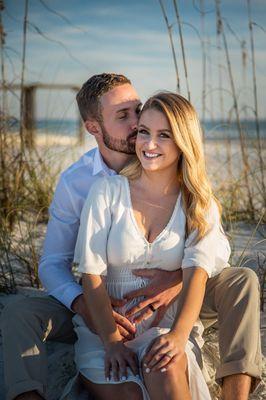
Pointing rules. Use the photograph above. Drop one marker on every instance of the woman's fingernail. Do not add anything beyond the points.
(124, 378)
(163, 369)
(147, 370)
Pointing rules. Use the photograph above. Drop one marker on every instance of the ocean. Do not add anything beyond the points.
(214, 130)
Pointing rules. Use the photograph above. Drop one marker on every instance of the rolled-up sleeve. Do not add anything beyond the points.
(212, 252)
(56, 261)
(95, 222)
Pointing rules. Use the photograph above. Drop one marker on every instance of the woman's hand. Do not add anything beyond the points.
(164, 350)
(117, 358)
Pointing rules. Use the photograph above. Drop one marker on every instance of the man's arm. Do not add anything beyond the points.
(56, 262)
(55, 268)
(162, 289)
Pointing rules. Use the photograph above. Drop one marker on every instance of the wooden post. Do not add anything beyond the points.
(29, 115)
(81, 135)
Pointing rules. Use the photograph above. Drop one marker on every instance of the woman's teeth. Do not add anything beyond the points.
(151, 155)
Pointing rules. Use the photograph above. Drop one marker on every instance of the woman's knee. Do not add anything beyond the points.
(131, 391)
(177, 367)
(127, 390)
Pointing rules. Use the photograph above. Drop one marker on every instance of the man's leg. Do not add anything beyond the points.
(232, 297)
(26, 325)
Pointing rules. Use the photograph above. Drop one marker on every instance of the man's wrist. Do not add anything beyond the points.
(112, 340)
(78, 305)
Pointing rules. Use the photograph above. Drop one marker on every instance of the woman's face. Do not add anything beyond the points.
(155, 146)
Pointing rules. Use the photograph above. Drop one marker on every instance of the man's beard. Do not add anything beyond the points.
(125, 146)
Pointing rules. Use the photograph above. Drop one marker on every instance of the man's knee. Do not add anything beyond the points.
(249, 281)
(19, 312)
(14, 310)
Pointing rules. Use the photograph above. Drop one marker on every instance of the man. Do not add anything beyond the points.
(109, 106)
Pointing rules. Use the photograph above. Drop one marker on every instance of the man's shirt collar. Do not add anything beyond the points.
(99, 165)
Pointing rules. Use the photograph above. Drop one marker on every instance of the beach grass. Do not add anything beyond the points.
(30, 163)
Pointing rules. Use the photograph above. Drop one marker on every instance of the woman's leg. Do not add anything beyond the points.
(171, 384)
(127, 390)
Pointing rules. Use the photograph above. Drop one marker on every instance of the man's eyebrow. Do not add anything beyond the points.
(122, 109)
(128, 108)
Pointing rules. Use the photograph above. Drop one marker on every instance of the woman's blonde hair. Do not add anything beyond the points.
(194, 183)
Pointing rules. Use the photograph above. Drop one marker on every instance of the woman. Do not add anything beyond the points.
(159, 212)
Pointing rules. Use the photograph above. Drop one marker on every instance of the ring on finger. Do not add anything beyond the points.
(168, 355)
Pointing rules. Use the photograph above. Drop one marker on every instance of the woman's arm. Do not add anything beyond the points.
(190, 301)
(172, 345)
(97, 301)
(100, 309)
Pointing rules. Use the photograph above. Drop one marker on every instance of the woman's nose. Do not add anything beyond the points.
(151, 143)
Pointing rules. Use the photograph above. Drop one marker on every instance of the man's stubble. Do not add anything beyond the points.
(125, 146)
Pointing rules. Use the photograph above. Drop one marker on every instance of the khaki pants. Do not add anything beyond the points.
(232, 300)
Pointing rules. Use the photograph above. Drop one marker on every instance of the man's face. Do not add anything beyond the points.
(120, 113)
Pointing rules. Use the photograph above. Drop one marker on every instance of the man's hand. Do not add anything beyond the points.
(125, 327)
(163, 288)
(118, 358)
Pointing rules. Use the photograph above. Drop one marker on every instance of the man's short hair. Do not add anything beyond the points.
(88, 97)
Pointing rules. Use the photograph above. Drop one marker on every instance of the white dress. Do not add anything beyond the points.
(111, 244)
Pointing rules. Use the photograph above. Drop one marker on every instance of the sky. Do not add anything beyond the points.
(70, 40)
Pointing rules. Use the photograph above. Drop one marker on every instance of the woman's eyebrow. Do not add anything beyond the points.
(143, 126)
(164, 130)
(159, 130)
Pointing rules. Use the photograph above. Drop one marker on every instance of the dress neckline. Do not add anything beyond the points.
(133, 218)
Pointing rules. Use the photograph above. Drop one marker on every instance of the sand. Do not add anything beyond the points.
(248, 245)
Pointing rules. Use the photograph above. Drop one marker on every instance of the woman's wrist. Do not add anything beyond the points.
(180, 332)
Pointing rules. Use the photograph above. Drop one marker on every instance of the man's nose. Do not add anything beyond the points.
(134, 123)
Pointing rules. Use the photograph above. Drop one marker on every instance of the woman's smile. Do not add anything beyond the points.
(150, 155)
(155, 145)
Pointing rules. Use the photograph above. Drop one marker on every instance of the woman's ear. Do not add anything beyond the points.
(93, 127)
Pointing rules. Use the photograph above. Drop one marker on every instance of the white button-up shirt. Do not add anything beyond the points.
(62, 230)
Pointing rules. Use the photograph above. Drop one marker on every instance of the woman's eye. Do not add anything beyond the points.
(122, 116)
(165, 135)
(143, 132)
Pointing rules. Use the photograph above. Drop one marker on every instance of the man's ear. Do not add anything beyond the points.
(93, 127)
